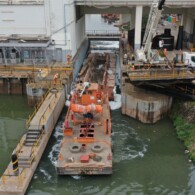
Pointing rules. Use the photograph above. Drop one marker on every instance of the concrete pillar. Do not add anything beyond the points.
(132, 20)
(47, 17)
(4, 56)
(8, 87)
(138, 26)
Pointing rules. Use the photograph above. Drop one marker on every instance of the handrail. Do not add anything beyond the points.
(162, 74)
(36, 145)
(36, 109)
(103, 33)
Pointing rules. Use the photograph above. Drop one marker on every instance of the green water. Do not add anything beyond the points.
(148, 159)
(13, 112)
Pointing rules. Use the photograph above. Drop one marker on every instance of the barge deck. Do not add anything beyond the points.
(86, 147)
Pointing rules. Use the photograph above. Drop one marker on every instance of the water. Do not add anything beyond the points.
(13, 113)
(147, 159)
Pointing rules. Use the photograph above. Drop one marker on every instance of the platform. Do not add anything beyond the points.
(32, 145)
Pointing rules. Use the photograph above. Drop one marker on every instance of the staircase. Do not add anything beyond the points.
(26, 154)
(32, 136)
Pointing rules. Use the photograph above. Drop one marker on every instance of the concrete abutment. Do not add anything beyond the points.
(143, 105)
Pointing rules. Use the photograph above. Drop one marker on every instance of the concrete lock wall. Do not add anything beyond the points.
(55, 114)
(13, 86)
(145, 108)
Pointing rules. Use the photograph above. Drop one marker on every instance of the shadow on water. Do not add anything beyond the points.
(148, 159)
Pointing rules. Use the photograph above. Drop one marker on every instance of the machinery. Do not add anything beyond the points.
(145, 54)
(189, 59)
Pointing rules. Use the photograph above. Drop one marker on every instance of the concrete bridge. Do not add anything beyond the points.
(169, 3)
(135, 10)
(103, 35)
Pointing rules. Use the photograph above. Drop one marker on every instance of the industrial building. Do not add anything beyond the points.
(38, 32)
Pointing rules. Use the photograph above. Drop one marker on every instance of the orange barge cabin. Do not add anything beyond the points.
(86, 146)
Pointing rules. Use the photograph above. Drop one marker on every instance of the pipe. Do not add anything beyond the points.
(160, 4)
(65, 30)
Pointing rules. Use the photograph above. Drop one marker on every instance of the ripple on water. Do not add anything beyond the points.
(53, 154)
(46, 174)
(127, 144)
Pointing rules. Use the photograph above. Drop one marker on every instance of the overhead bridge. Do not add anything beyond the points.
(103, 35)
(129, 3)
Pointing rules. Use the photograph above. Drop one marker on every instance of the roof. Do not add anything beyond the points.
(20, 41)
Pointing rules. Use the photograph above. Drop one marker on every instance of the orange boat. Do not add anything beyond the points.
(86, 146)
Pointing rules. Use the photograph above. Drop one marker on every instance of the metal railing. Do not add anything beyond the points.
(158, 75)
(36, 61)
(100, 33)
(36, 109)
(187, 3)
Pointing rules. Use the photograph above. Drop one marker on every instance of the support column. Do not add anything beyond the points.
(132, 20)
(4, 56)
(8, 86)
(138, 26)
(47, 17)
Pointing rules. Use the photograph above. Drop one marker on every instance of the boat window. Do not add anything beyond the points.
(90, 135)
(91, 130)
(193, 59)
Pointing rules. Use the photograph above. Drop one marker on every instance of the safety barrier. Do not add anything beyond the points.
(36, 144)
(100, 33)
(135, 75)
(36, 109)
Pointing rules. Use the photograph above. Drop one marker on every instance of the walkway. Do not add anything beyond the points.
(32, 146)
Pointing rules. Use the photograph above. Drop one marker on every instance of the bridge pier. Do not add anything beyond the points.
(143, 105)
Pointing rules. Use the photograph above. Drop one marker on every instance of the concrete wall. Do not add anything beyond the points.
(188, 22)
(22, 19)
(143, 105)
(53, 117)
(13, 86)
(65, 30)
(79, 57)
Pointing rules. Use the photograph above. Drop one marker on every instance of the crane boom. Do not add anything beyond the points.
(153, 19)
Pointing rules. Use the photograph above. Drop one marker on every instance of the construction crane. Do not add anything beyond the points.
(144, 54)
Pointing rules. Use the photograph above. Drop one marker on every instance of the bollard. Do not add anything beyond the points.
(14, 159)
(3, 179)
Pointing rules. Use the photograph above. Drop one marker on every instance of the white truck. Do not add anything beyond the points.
(189, 59)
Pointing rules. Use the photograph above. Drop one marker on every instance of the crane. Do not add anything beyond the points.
(144, 54)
